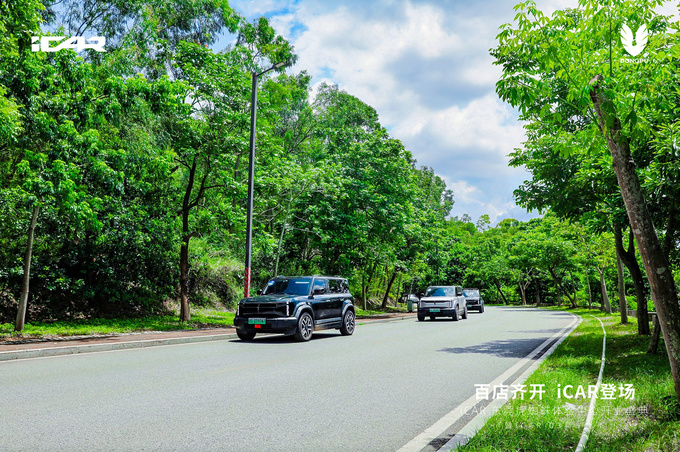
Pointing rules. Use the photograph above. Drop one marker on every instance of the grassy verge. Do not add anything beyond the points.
(377, 311)
(200, 318)
(646, 423)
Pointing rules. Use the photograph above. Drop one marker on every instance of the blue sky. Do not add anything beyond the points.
(425, 67)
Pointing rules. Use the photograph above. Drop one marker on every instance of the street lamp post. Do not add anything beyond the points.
(251, 173)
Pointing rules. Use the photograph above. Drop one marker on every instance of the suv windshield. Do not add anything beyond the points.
(439, 292)
(290, 286)
(471, 293)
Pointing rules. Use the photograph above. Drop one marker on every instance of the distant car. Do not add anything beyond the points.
(297, 305)
(473, 299)
(411, 300)
(442, 301)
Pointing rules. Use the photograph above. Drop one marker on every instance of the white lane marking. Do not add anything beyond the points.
(591, 409)
(469, 430)
(439, 427)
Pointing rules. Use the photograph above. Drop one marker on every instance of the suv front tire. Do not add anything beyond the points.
(246, 335)
(348, 323)
(305, 327)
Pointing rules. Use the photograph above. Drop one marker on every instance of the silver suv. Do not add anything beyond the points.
(473, 299)
(442, 301)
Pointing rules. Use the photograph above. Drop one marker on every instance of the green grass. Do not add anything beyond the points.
(645, 423)
(377, 311)
(200, 318)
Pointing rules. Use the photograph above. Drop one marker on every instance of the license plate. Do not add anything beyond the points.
(257, 321)
(434, 310)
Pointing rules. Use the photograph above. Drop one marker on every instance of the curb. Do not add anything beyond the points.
(360, 320)
(132, 344)
(76, 349)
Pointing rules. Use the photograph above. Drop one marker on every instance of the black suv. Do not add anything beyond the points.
(297, 305)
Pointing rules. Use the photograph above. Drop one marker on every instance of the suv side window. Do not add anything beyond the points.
(336, 286)
(320, 284)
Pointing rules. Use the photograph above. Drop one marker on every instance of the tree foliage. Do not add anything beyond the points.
(591, 107)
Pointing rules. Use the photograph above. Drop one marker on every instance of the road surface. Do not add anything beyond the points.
(373, 391)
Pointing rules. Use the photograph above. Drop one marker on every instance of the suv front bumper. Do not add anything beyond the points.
(285, 325)
(437, 312)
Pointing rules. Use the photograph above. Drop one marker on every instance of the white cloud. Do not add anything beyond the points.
(484, 123)
(426, 69)
(361, 52)
(429, 75)
(283, 24)
(464, 192)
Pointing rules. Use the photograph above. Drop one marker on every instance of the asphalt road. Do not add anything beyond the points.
(373, 391)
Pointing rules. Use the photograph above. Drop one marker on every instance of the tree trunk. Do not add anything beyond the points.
(654, 259)
(654, 340)
(573, 300)
(629, 260)
(498, 287)
(538, 292)
(184, 314)
(590, 292)
(623, 303)
(523, 291)
(368, 284)
(606, 306)
(23, 300)
(382, 282)
(389, 286)
(399, 284)
(557, 286)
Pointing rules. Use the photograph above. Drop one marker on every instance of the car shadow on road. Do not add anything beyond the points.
(516, 348)
(281, 339)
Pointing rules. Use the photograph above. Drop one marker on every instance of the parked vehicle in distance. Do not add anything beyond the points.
(473, 299)
(410, 299)
(297, 305)
(442, 301)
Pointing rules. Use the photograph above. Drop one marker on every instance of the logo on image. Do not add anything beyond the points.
(639, 38)
(77, 43)
(634, 44)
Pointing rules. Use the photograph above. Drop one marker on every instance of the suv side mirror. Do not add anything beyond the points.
(319, 291)
(259, 291)
(420, 295)
(459, 292)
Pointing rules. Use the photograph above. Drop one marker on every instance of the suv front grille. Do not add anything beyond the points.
(277, 309)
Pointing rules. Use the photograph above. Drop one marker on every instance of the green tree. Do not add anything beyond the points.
(554, 66)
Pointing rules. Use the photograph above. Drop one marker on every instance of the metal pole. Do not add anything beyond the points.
(251, 175)
(251, 183)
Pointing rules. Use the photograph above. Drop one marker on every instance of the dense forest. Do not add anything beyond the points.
(123, 176)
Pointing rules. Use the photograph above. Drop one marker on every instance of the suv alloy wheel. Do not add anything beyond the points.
(456, 314)
(348, 323)
(305, 327)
